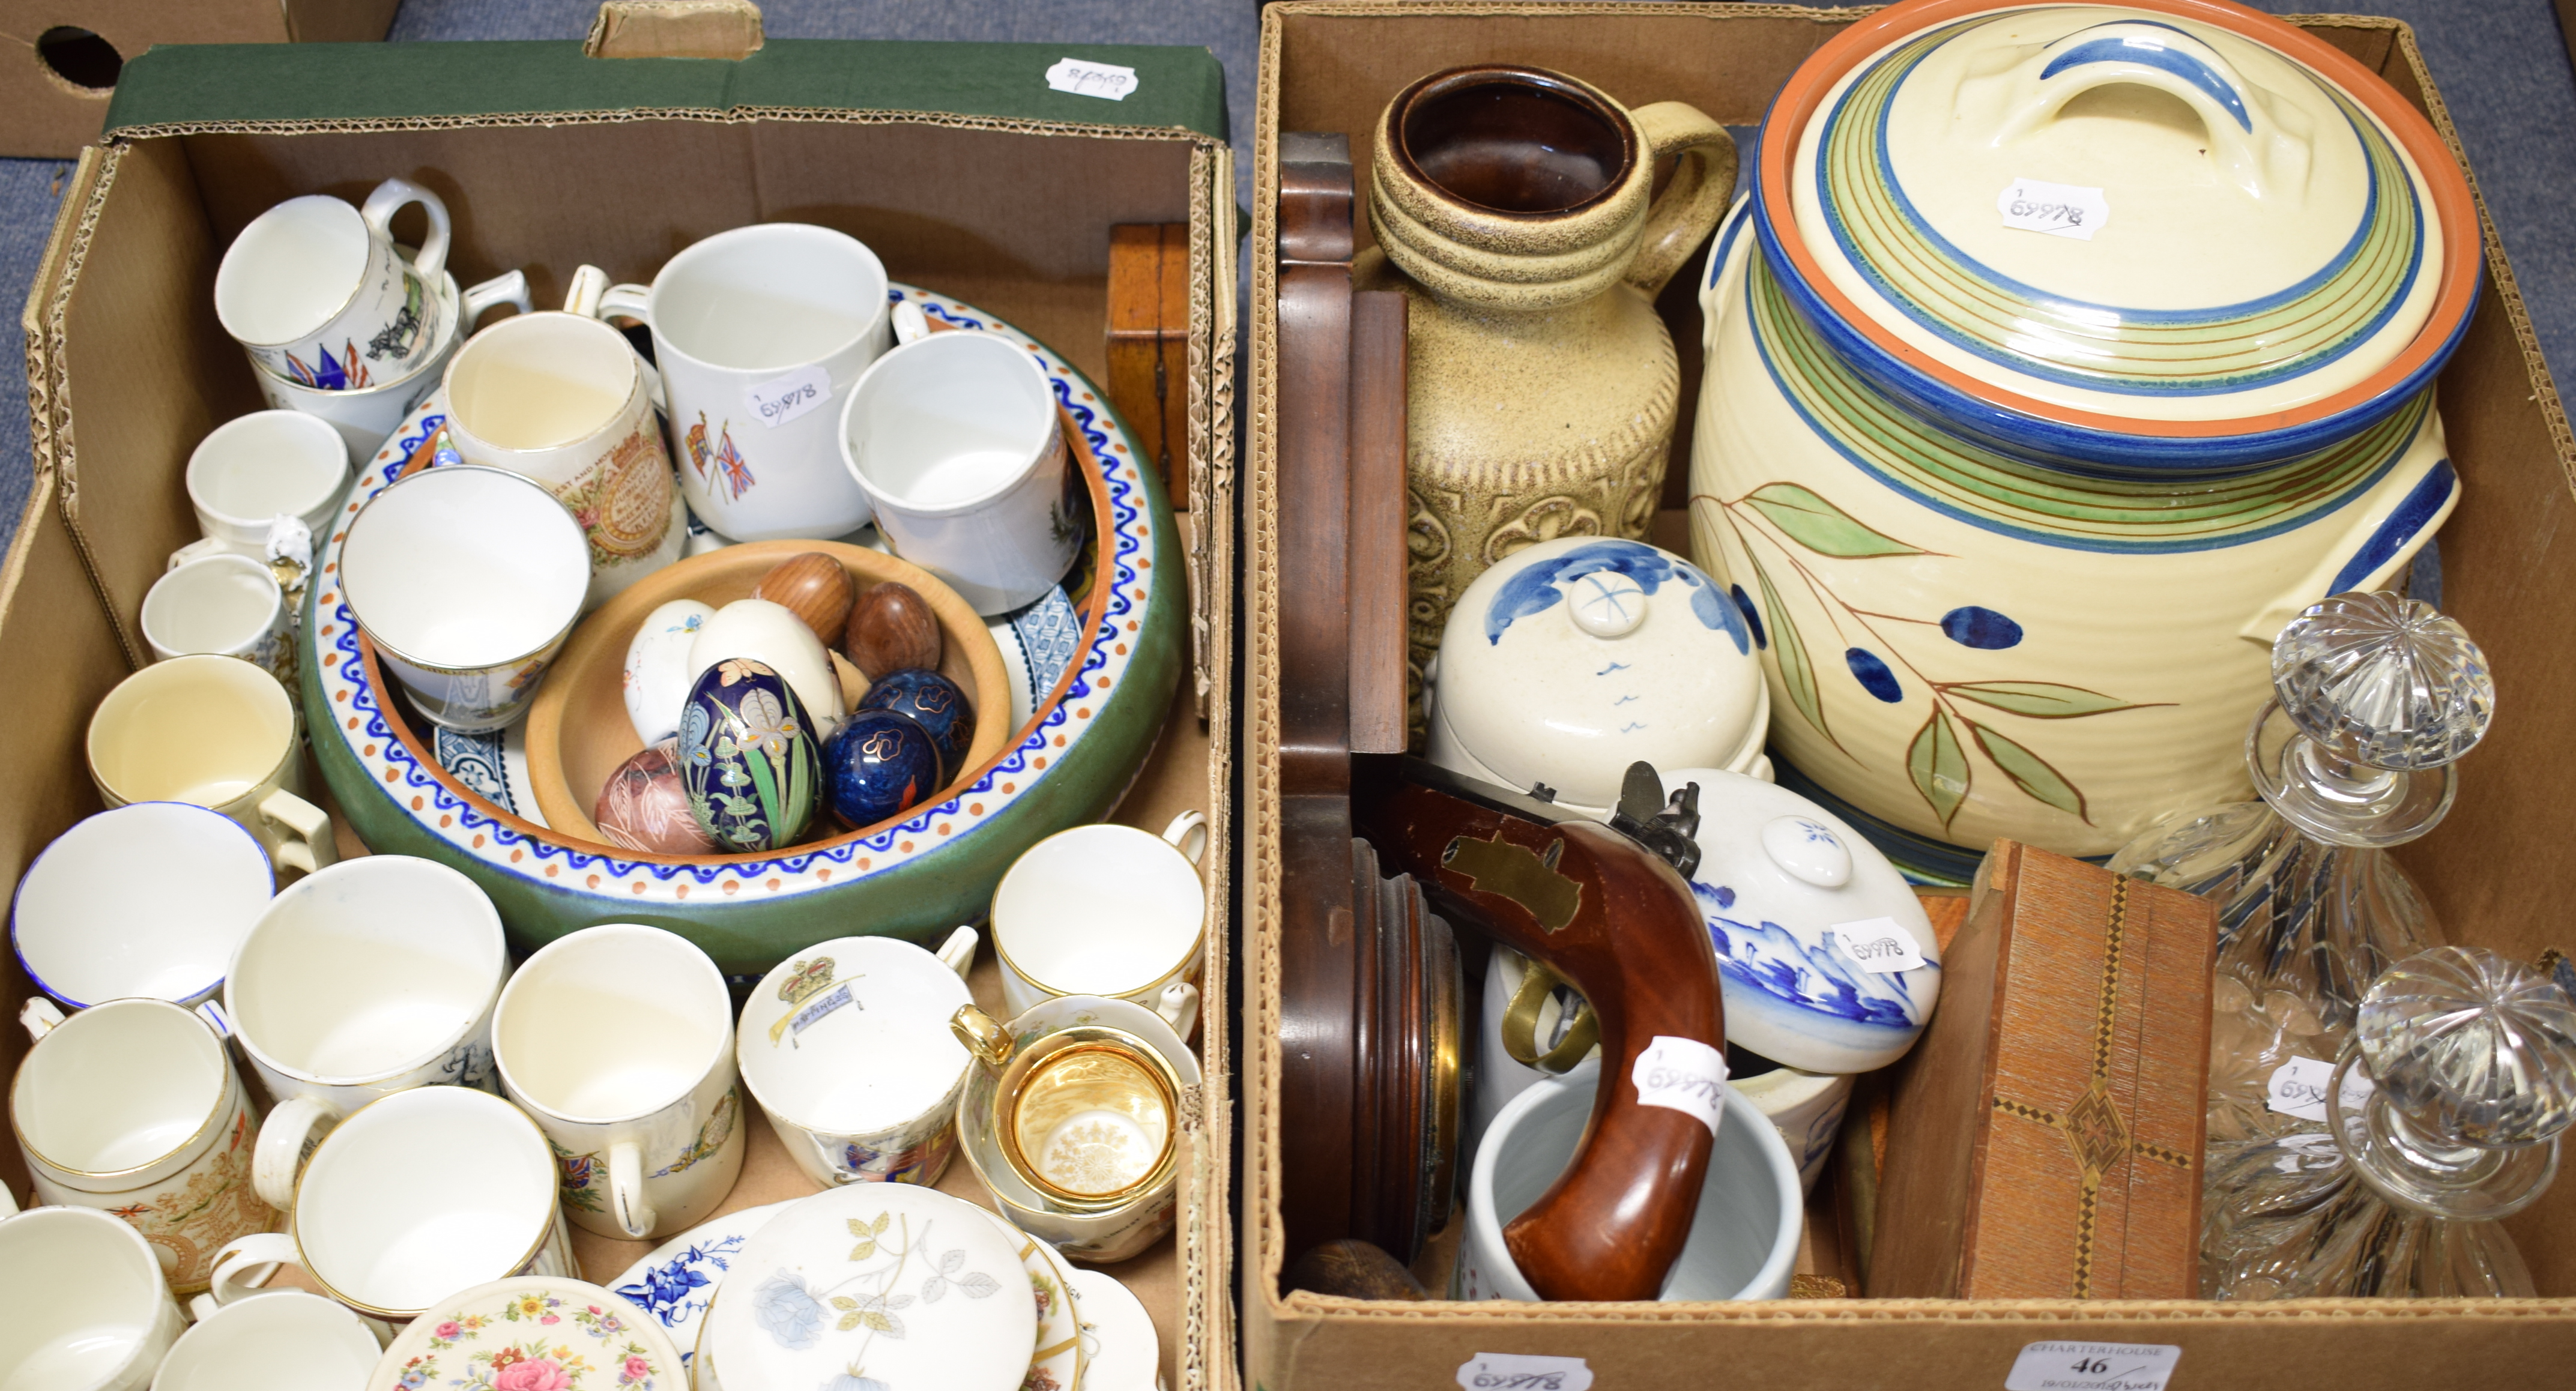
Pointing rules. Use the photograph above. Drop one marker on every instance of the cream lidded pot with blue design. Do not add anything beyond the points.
(2057, 357)
(1568, 660)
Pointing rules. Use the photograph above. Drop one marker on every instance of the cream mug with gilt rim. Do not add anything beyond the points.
(759, 333)
(284, 1340)
(317, 293)
(1106, 910)
(467, 580)
(561, 399)
(132, 1107)
(846, 1047)
(88, 1307)
(366, 418)
(216, 733)
(414, 1197)
(618, 1039)
(372, 977)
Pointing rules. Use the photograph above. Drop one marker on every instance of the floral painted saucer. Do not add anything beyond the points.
(678, 1281)
(533, 1333)
(1123, 1351)
(1057, 1364)
(873, 1287)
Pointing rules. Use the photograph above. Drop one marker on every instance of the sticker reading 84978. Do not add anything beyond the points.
(2061, 210)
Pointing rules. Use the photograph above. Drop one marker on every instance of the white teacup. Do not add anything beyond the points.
(253, 473)
(467, 580)
(283, 1340)
(618, 1039)
(760, 332)
(132, 1107)
(316, 292)
(215, 733)
(957, 443)
(1106, 910)
(846, 1047)
(561, 399)
(146, 900)
(225, 605)
(411, 1199)
(1743, 1240)
(87, 1306)
(372, 977)
(365, 418)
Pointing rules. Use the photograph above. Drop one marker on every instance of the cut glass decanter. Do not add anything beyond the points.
(2375, 697)
(2442, 1118)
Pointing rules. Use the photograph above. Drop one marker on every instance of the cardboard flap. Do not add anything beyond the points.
(187, 87)
(727, 29)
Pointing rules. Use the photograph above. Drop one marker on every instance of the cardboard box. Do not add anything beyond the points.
(1331, 67)
(961, 169)
(59, 59)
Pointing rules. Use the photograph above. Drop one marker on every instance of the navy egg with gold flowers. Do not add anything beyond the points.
(880, 763)
(935, 703)
(749, 757)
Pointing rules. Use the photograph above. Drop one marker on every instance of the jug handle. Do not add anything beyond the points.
(1703, 181)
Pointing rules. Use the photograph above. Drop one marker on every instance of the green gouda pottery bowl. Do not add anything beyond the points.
(919, 874)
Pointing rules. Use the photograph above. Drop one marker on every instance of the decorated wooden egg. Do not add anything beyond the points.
(879, 764)
(749, 757)
(934, 702)
(645, 805)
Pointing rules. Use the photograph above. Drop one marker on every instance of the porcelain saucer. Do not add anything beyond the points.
(677, 1282)
(1124, 1352)
(1058, 1361)
(546, 1331)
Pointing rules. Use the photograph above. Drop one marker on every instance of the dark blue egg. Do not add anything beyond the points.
(748, 757)
(879, 764)
(934, 702)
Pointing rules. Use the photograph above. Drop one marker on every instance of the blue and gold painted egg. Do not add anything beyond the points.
(879, 764)
(749, 757)
(935, 703)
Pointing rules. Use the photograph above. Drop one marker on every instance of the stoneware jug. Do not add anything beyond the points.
(2056, 359)
(1515, 206)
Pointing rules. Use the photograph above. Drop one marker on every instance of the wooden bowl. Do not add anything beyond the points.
(578, 730)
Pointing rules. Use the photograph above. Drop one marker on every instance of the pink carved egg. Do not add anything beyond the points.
(645, 805)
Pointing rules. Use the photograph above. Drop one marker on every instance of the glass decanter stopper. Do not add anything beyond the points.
(2442, 1118)
(2375, 697)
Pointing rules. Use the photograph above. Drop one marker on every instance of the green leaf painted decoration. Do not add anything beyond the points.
(864, 1249)
(1797, 673)
(1822, 527)
(2041, 700)
(1939, 766)
(2030, 772)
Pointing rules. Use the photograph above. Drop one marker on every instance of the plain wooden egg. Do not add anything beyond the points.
(892, 629)
(815, 588)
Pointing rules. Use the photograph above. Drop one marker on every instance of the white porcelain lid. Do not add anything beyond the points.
(532, 1333)
(2119, 211)
(1825, 959)
(1569, 660)
(905, 1287)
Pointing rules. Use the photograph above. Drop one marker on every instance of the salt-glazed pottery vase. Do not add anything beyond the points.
(2056, 358)
(1573, 658)
(1515, 207)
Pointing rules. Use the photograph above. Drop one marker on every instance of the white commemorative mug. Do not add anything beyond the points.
(467, 580)
(373, 977)
(846, 1047)
(132, 1107)
(759, 333)
(618, 1040)
(216, 733)
(561, 399)
(87, 1305)
(225, 605)
(365, 417)
(1106, 910)
(145, 900)
(284, 1340)
(414, 1197)
(958, 445)
(317, 293)
(263, 485)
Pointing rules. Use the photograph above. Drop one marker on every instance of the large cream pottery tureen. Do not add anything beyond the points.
(2059, 356)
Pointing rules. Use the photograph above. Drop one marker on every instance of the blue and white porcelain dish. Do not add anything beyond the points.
(677, 1282)
(1814, 929)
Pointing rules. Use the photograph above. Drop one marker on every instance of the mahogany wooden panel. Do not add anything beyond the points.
(1149, 345)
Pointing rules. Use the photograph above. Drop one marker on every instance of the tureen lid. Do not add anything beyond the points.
(1825, 958)
(2180, 218)
(1569, 660)
(563, 1334)
(887, 1284)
